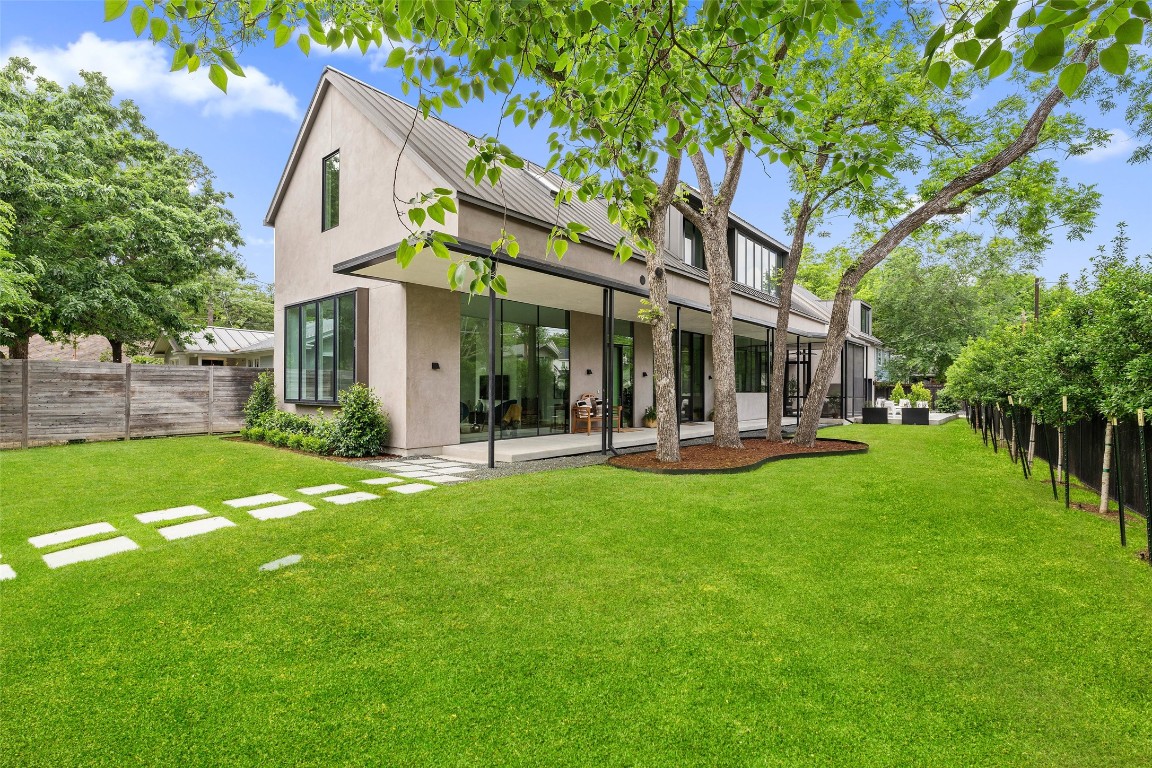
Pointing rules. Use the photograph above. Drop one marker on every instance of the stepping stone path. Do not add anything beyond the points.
(318, 489)
(281, 563)
(71, 534)
(430, 470)
(93, 551)
(412, 488)
(381, 480)
(195, 528)
(281, 510)
(175, 513)
(6, 572)
(351, 498)
(255, 501)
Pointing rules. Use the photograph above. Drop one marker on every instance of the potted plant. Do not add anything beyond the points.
(920, 396)
(871, 414)
(649, 419)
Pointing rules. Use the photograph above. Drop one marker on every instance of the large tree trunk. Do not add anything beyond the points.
(1106, 472)
(117, 351)
(918, 217)
(18, 349)
(726, 424)
(776, 383)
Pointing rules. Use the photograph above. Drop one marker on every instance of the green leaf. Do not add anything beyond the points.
(500, 285)
(1114, 59)
(969, 50)
(218, 77)
(935, 41)
(991, 53)
(1050, 42)
(560, 247)
(939, 74)
(603, 13)
(1072, 76)
(159, 29)
(283, 35)
(396, 57)
(229, 62)
(305, 43)
(1130, 32)
(139, 19)
(417, 216)
(1140, 8)
(179, 59)
(405, 253)
(852, 9)
(447, 204)
(114, 9)
(256, 7)
(440, 250)
(436, 213)
(1000, 65)
(513, 248)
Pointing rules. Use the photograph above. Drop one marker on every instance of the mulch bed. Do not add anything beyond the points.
(381, 457)
(707, 458)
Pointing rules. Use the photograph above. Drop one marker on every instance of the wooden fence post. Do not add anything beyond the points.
(128, 401)
(211, 395)
(24, 404)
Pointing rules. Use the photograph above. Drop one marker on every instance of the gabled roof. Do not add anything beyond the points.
(217, 340)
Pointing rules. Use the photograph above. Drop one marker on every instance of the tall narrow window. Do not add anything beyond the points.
(865, 318)
(320, 348)
(330, 204)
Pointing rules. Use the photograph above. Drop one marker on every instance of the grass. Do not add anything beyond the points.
(921, 604)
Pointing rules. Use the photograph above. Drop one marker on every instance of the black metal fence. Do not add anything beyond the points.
(1128, 482)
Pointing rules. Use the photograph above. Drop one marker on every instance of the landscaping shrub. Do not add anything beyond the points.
(361, 427)
(282, 421)
(945, 402)
(918, 393)
(262, 401)
(898, 393)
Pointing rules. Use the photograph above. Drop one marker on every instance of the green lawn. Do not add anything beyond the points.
(918, 605)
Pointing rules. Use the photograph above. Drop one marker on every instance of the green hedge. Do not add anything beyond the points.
(359, 428)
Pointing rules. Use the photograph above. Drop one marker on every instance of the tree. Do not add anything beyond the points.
(114, 224)
(233, 298)
(974, 178)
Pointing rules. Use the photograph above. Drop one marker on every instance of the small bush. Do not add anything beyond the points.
(256, 433)
(262, 401)
(898, 393)
(314, 445)
(945, 402)
(296, 440)
(361, 427)
(282, 421)
(919, 393)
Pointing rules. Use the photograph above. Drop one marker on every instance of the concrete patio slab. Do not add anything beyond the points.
(93, 551)
(382, 481)
(412, 488)
(413, 475)
(6, 572)
(281, 510)
(446, 479)
(281, 563)
(195, 528)
(70, 534)
(316, 490)
(255, 501)
(175, 513)
(351, 498)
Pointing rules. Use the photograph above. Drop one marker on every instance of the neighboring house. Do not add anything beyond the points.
(346, 311)
(218, 346)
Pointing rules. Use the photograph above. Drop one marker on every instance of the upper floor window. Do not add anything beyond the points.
(755, 265)
(866, 318)
(330, 195)
(693, 246)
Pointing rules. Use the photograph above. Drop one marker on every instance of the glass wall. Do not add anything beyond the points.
(752, 370)
(319, 348)
(532, 359)
(623, 369)
(691, 376)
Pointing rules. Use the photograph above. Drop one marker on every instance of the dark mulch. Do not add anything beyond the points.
(380, 457)
(708, 457)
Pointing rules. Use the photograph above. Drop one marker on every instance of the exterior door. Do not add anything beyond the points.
(691, 376)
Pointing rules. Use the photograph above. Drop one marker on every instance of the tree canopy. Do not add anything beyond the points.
(110, 225)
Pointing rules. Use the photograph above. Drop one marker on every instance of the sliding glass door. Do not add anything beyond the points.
(691, 376)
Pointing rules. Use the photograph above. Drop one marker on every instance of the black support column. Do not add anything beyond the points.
(491, 376)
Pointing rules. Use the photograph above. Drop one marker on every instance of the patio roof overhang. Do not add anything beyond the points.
(550, 284)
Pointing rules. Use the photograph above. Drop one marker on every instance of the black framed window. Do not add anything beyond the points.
(751, 364)
(320, 348)
(330, 192)
(754, 264)
(866, 318)
(693, 246)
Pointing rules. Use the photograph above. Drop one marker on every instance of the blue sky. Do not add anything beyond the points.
(245, 137)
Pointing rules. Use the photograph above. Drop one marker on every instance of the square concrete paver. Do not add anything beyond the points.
(281, 510)
(6, 572)
(195, 528)
(351, 498)
(316, 490)
(171, 514)
(93, 551)
(388, 464)
(70, 534)
(415, 475)
(382, 481)
(425, 461)
(445, 479)
(412, 488)
(255, 501)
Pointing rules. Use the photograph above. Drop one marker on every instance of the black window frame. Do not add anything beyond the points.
(865, 318)
(750, 358)
(324, 225)
(336, 346)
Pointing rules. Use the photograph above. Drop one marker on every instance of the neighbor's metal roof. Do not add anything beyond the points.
(223, 340)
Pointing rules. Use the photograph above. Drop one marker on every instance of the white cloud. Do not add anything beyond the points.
(138, 69)
(1120, 143)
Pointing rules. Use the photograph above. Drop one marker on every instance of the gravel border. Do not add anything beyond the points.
(511, 468)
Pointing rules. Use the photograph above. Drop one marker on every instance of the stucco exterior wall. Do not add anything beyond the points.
(433, 334)
(586, 351)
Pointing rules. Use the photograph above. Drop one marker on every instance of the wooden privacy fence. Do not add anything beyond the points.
(44, 402)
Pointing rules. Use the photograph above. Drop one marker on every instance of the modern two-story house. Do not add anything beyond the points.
(347, 312)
